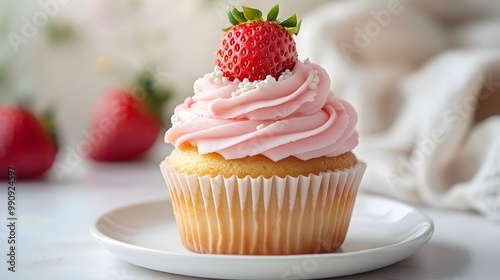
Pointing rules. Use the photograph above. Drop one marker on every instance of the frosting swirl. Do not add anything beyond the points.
(297, 116)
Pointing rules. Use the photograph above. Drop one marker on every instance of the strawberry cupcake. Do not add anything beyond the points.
(263, 161)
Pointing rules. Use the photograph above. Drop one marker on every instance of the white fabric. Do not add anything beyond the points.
(425, 79)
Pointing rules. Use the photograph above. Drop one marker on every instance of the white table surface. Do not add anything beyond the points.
(54, 242)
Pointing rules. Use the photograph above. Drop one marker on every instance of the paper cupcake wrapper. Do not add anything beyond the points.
(291, 215)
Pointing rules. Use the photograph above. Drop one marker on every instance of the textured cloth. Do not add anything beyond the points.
(425, 79)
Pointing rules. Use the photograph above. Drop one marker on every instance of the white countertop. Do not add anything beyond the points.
(54, 243)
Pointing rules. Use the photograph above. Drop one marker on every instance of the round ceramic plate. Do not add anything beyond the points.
(382, 232)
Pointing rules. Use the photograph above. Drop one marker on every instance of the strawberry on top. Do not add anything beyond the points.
(254, 48)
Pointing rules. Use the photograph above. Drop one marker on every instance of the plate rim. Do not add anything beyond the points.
(107, 241)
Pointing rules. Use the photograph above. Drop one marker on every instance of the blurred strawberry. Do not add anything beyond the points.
(26, 143)
(125, 123)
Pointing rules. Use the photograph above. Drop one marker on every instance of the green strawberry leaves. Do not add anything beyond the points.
(253, 15)
(273, 13)
(48, 124)
(289, 22)
(235, 16)
(295, 30)
(156, 94)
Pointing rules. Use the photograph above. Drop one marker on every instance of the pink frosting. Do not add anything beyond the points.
(285, 118)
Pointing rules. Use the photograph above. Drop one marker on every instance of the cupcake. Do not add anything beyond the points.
(262, 161)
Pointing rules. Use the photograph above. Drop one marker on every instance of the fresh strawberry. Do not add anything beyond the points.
(126, 124)
(26, 144)
(253, 48)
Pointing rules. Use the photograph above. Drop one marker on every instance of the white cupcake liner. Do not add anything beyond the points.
(290, 215)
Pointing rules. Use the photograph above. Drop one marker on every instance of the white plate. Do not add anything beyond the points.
(382, 232)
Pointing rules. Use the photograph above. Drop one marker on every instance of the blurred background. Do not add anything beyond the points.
(407, 66)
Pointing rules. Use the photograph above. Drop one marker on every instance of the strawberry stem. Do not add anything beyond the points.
(156, 94)
(48, 124)
(253, 15)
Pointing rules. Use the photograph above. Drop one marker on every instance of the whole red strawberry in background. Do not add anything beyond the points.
(126, 123)
(26, 143)
(253, 48)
